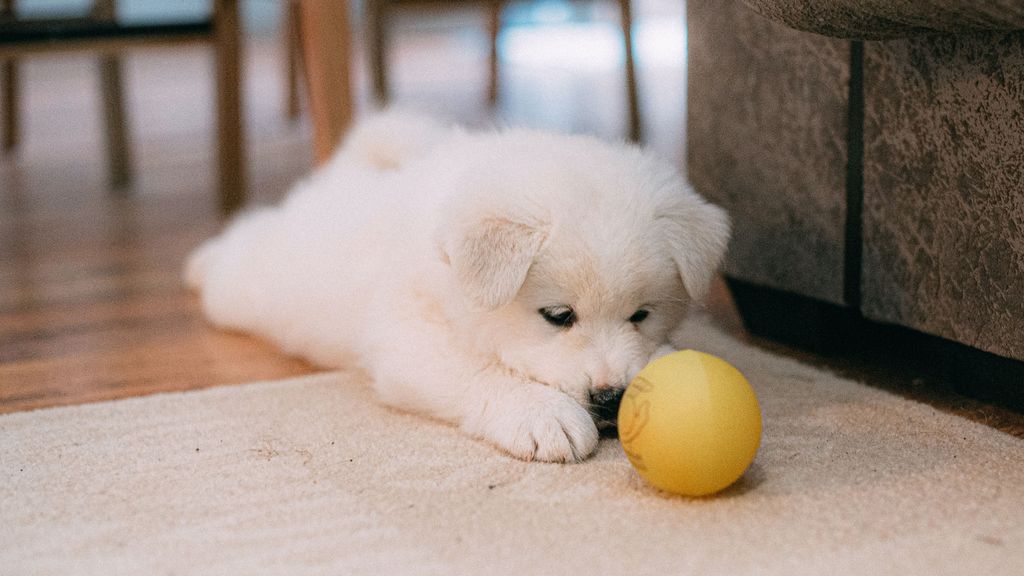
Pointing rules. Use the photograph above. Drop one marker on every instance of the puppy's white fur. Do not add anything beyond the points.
(423, 254)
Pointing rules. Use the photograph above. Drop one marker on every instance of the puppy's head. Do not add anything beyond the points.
(576, 259)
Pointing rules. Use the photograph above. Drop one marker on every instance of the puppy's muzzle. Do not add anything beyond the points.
(604, 406)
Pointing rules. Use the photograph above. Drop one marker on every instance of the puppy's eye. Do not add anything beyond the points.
(639, 316)
(561, 316)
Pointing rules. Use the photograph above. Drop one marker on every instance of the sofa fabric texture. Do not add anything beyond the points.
(881, 19)
(943, 219)
(767, 130)
(886, 176)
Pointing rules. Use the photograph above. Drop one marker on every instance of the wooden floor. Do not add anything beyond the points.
(91, 303)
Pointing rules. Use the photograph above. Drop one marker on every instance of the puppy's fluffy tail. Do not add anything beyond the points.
(388, 140)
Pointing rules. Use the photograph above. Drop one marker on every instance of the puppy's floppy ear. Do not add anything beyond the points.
(491, 256)
(697, 234)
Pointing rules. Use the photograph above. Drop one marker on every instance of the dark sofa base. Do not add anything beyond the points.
(837, 332)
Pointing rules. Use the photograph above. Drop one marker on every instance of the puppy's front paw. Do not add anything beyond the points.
(537, 423)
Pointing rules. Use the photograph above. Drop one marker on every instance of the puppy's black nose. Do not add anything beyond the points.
(604, 406)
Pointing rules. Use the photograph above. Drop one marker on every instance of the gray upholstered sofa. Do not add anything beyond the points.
(871, 153)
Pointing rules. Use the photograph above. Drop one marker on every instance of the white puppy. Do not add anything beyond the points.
(511, 283)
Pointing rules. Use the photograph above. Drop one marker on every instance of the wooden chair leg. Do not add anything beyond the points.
(327, 54)
(9, 79)
(118, 148)
(230, 134)
(293, 48)
(377, 20)
(119, 162)
(493, 29)
(11, 120)
(635, 128)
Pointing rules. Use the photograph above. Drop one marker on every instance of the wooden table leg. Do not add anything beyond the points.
(378, 19)
(10, 105)
(118, 147)
(230, 135)
(293, 62)
(494, 8)
(327, 52)
(633, 100)
(9, 81)
(119, 157)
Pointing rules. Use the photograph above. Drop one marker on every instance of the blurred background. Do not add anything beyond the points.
(561, 68)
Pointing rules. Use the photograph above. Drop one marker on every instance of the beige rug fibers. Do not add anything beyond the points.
(310, 476)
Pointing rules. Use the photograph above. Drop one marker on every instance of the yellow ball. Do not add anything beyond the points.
(690, 423)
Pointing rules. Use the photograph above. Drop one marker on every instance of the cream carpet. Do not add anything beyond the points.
(309, 476)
